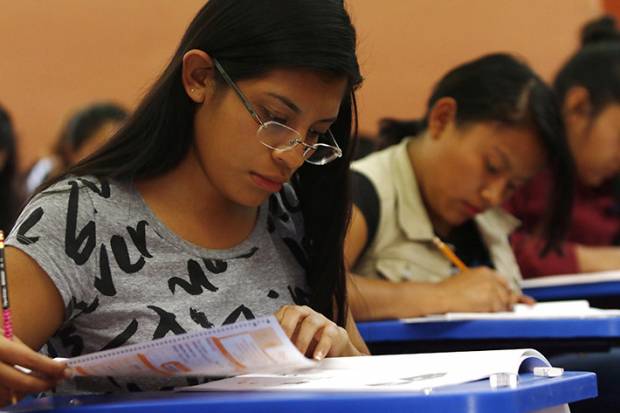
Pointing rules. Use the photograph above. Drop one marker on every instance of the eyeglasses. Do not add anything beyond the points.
(319, 148)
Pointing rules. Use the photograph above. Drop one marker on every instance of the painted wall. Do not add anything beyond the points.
(58, 55)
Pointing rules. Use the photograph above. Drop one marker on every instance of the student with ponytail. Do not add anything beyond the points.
(588, 86)
(491, 124)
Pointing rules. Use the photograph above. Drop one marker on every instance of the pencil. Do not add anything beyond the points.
(449, 254)
(7, 324)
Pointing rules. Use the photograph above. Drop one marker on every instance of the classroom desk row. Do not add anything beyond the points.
(548, 336)
(596, 290)
(531, 395)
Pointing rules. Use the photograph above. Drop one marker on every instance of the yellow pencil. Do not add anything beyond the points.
(449, 254)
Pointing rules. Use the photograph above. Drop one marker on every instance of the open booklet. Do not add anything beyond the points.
(571, 279)
(262, 348)
(547, 310)
(248, 346)
(402, 372)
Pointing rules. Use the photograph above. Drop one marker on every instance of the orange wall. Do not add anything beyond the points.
(58, 55)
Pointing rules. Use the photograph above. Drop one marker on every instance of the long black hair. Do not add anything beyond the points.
(595, 66)
(250, 38)
(500, 88)
(10, 198)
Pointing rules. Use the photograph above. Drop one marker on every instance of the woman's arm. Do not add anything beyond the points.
(37, 311)
(479, 289)
(36, 305)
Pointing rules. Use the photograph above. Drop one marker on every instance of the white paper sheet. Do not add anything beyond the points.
(568, 279)
(547, 310)
(403, 372)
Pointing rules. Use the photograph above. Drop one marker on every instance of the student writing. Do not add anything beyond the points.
(491, 124)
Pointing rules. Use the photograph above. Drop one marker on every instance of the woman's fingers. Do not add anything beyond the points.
(526, 299)
(311, 332)
(331, 337)
(22, 382)
(16, 353)
(289, 317)
(308, 329)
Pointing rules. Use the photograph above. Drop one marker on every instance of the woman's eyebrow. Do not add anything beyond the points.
(296, 108)
(504, 158)
(286, 101)
(508, 165)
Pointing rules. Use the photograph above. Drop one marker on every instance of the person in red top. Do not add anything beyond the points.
(588, 87)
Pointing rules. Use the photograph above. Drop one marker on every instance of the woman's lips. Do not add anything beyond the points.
(269, 184)
(471, 209)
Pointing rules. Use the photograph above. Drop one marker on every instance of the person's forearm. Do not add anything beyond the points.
(372, 299)
(592, 259)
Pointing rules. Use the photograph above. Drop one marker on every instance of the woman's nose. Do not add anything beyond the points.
(493, 193)
(291, 158)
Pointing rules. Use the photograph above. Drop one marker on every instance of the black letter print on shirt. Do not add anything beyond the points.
(200, 318)
(104, 192)
(85, 239)
(69, 338)
(167, 323)
(122, 338)
(104, 283)
(83, 306)
(197, 277)
(238, 312)
(34, 217)
(121, 252)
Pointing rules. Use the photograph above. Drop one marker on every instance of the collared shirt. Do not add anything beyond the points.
(402, 247)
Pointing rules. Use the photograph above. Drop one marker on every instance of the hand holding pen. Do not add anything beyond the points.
(479, 289)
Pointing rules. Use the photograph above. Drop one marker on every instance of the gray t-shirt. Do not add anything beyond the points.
(126, 278)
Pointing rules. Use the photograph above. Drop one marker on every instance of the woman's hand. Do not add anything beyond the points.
(479, 289)
(45, 372)
(313, 334)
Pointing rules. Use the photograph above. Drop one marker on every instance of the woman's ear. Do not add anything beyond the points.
(441, 116)
(198, 75)
(577, 110)
(577, 103)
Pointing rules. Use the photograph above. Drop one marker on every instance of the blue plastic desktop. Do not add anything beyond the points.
(560, 329)
(531, 394)
(567, 292)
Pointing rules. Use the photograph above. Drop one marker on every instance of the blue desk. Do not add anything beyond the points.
(605, 329)
(532, 393)
(567, 292)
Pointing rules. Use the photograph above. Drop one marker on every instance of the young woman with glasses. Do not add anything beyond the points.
(490, 125)
(223, 197)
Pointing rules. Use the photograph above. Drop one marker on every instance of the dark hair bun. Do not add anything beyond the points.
(602, 29)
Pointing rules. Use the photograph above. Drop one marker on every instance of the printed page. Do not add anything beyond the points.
(402, 372)
(258, 345)
(570, 279)
(546, 310)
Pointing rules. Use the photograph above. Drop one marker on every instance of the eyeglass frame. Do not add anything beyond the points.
(298, 137)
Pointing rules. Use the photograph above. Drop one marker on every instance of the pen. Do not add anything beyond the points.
(449, 254)
(6, 311)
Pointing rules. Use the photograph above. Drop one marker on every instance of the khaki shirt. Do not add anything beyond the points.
(402, 248)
